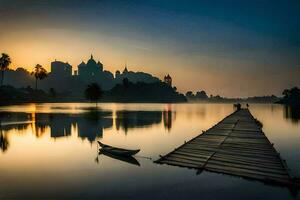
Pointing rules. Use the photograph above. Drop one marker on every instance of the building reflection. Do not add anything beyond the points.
(136, 119)
(168, 118)
(59, 124)
(292, 113)
(91, 124)
(87, 126)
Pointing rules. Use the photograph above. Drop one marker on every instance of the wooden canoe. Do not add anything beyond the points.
(117, 151)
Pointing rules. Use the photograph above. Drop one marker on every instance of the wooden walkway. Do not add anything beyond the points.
(235, 146)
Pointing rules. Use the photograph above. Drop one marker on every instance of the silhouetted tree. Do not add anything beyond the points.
(4, 63)
(201, 95)
(144, 92)
(285, 93)
(189, 94)
(93, 92)
(39, 73)
(52, 92)
(291, 96)
(291, 93)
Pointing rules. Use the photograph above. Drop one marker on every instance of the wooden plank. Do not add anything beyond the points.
(260, 151)
(248, 171)
(252, 151)
(188, 158)
(267, 179)
(249, 162)
(268, 149)
(203, 153)
(183, 161)
(249, 145)
(249, 166)
(192, 155)
(252, 159)
(262, 159)
(249, 154)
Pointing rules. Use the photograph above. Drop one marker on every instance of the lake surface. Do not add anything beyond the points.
(49, 151)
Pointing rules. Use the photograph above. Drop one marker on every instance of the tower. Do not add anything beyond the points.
(168, 80)
(125, 69)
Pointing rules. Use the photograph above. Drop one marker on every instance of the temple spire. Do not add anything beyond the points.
(125, 69)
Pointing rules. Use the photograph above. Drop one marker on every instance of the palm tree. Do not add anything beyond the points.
(4, 63)
(39, 73)
(93, 92)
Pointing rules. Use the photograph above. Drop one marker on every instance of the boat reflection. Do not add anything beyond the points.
(127, 159)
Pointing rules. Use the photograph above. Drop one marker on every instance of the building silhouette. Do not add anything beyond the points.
(61, 69)
(125, 70)
(168, 80)
(117, 74)
(90, 69)
(63, 81)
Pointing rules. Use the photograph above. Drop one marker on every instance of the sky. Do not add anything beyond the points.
(232, 48)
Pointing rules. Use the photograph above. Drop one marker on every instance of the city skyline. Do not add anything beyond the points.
(202, 46)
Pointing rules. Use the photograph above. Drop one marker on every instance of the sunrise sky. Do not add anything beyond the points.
(231, 48)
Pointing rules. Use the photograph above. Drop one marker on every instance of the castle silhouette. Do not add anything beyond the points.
(70, 83)
(93, 71)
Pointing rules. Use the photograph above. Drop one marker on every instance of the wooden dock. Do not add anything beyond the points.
(235, 146)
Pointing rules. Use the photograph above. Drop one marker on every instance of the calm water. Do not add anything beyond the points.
(49, 151)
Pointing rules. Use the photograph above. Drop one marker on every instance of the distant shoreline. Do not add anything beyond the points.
(137, 102)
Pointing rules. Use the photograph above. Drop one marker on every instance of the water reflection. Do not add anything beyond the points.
(88, 125)
(3, 142)
(36, 137)
(168, 117)
(292, 113)
(127, 159)
(135, 119)
(91, 124)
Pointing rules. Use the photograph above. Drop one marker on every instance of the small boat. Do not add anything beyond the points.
(118, 151)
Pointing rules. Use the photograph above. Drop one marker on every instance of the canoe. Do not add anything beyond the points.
(118, 151)
(127, 159)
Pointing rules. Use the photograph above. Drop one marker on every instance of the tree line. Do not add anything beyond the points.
(39, 72)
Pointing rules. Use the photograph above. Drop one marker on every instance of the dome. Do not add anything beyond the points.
(91, 61)
(82, 64)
